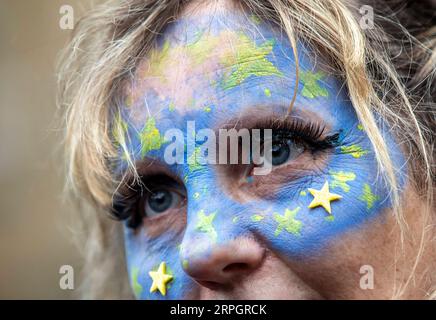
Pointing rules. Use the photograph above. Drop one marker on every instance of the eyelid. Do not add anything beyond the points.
(311, 135)
(169, 188)
(297, 126)
(167, 183)
(136, 219)
(129, 195)
(314, 134)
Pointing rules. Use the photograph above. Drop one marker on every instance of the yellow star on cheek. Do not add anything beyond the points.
(160, 279)
(323, 197)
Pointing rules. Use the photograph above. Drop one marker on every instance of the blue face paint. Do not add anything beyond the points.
(216, 70)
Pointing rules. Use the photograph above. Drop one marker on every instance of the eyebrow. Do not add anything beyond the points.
(144, 167)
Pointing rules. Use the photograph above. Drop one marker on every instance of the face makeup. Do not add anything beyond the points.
(235, 71)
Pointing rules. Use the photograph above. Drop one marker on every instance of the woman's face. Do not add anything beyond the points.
(313, 227)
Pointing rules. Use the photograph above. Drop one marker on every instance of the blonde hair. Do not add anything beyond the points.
(388, 71)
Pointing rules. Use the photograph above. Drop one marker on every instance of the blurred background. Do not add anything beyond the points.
(34, 236)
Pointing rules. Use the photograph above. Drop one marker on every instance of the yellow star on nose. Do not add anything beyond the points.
(160, 279)
(323, 197)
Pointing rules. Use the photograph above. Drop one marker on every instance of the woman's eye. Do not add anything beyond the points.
(284, 150)
(161, 200)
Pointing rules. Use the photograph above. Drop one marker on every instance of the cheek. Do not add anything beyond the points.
(295, 223)
(145, 255)
(298, 223)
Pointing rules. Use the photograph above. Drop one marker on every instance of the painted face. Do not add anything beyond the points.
(193, 226)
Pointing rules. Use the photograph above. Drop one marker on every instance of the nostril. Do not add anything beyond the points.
(236, 267)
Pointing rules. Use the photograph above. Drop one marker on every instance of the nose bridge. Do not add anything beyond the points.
(209, 209)
(209, 215)
(206, 226)
(215, 249)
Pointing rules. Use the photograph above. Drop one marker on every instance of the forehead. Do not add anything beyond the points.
(210, 63)
(218, 69)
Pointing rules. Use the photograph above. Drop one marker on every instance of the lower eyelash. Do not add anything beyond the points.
(122, 207)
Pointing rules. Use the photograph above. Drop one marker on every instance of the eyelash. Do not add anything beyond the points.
(125, 207)
(310, 133)
(129, 205)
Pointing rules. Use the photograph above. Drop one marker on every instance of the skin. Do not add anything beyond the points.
(238, 238)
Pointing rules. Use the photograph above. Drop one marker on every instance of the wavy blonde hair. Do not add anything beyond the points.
(388, 70)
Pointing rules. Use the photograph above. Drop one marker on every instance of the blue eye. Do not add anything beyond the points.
(284, 150)
(280, 154)
(161, 200)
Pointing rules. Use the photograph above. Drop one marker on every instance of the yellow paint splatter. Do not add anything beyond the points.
(202, 46)
(311, 88)
(330, 218)
(354, 150)
(249, 59)
(267, 92)
(185, 264)
(255, 19)
(119, 130)
(159, 59)
(257, 218)
(193, 160)
(340, 179)
(129, 100)
(239, 56)
(136, 286)
(205, 224)
(288, 222)
(368, 197)
(150, 137)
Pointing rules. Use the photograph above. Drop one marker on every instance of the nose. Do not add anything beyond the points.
(226, 264)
